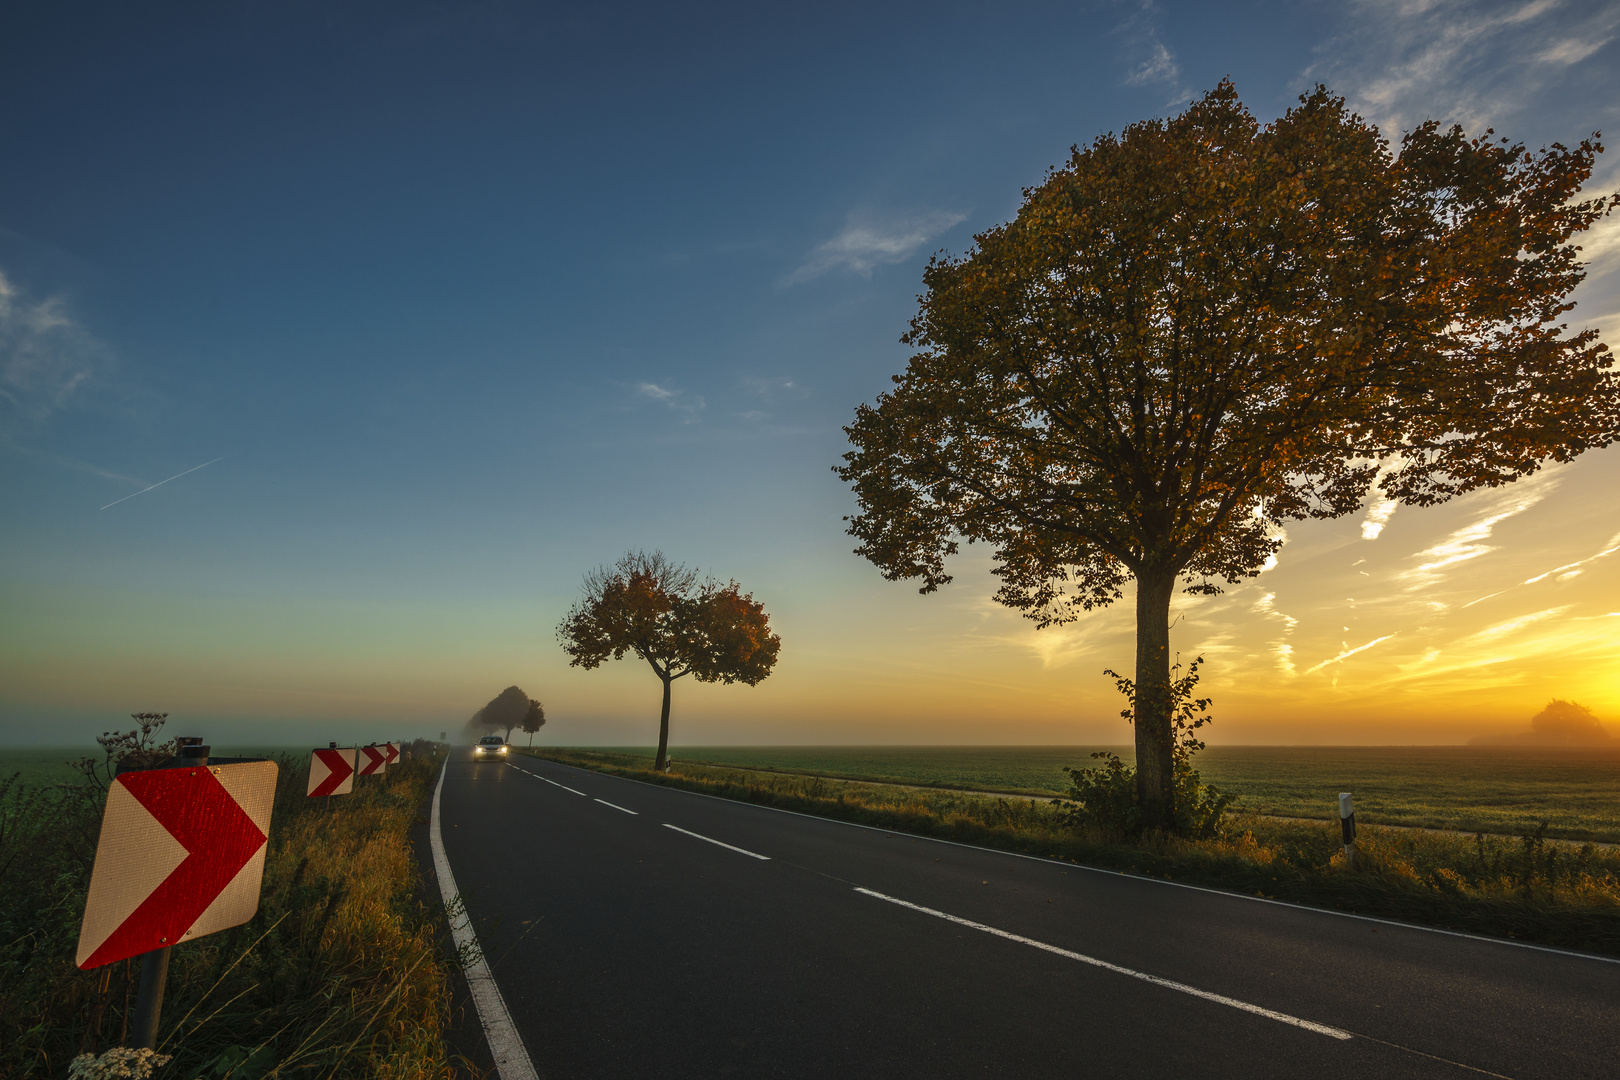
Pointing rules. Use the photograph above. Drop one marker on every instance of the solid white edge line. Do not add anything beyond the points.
(505, 1044)
(719, 843)
(1288, 904)
(1168, 984)
(616, 806)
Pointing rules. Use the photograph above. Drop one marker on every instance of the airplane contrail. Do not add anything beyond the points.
(160, 483)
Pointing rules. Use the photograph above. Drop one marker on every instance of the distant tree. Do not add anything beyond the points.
(1203, 328)
(534, 719)
(663, 613)
(1561, 723)
(504, 712)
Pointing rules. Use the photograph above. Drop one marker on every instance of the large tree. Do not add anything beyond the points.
(504, 712)
(678, 623)
(1204, 327)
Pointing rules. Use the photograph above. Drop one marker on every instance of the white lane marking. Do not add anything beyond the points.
(718, 843)
(554, 783)
(616, 806)
(511, 1056)
(1138, 878)
(1221, 999)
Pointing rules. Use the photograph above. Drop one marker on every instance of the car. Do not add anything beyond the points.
(490, 746)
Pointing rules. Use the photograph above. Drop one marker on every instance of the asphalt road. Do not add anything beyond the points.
(625, 947)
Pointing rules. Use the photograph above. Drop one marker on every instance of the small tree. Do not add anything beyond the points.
(1202, 328)
(504, 712)
(646, 605)
(534, 719)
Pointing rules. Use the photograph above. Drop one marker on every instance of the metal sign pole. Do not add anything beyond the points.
(149, 999)
(155, 964)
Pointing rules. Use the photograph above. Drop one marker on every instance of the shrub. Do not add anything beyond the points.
(1105, 797)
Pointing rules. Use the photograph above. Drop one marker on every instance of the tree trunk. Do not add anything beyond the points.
(1155, 759)
(663, 728)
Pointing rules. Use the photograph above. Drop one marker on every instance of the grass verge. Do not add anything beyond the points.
(1501, 790)
(342, 973)
(1526, 888)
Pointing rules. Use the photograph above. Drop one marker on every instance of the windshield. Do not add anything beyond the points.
(492, 740)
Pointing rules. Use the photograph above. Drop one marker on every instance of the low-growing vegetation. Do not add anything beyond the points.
(1529, 887)
(1508, 790)
(342, 973)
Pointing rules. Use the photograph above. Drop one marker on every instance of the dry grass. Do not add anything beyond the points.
(343, 972)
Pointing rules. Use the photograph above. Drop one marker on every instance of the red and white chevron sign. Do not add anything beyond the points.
(371, 760)
(390, 753)
(331, 772)
(181, 855)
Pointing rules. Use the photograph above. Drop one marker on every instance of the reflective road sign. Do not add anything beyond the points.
(331, 772)
(181, 855)
(371, 760)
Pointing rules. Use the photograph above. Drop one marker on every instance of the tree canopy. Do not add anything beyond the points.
(1204, 327)
(679, 624)
(534, 719)
(504, 712)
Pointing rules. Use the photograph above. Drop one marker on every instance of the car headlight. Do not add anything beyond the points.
(503, 749)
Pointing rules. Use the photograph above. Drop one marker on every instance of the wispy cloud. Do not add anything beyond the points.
(75, 464)
(865, 243)
(45, 357)
(1474, 61)
(1152, 62)
(1380, 508)
(1600, 245)
(689, 405)
(1266, 608)
(1557, 573)
(1469, 542)
(770, 388)
(1571, 50)
(1569, 570)
(1490, 633)
(1379, 511)
(1160, 66)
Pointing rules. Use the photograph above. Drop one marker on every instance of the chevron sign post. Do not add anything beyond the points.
(390, 753)
(181, 855)
(331, 771)
(371, 760)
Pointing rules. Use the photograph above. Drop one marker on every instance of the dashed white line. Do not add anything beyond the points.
(719, 843)
(616, 806)
(554, 783)
(1220, 999)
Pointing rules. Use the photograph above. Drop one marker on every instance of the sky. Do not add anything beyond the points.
(414, 313)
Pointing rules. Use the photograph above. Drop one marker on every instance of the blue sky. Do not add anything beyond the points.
(470, 298)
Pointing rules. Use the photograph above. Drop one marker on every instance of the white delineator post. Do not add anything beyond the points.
(1347, 821)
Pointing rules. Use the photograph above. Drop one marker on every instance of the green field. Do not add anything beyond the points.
(40, 765)
(1489, 789)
